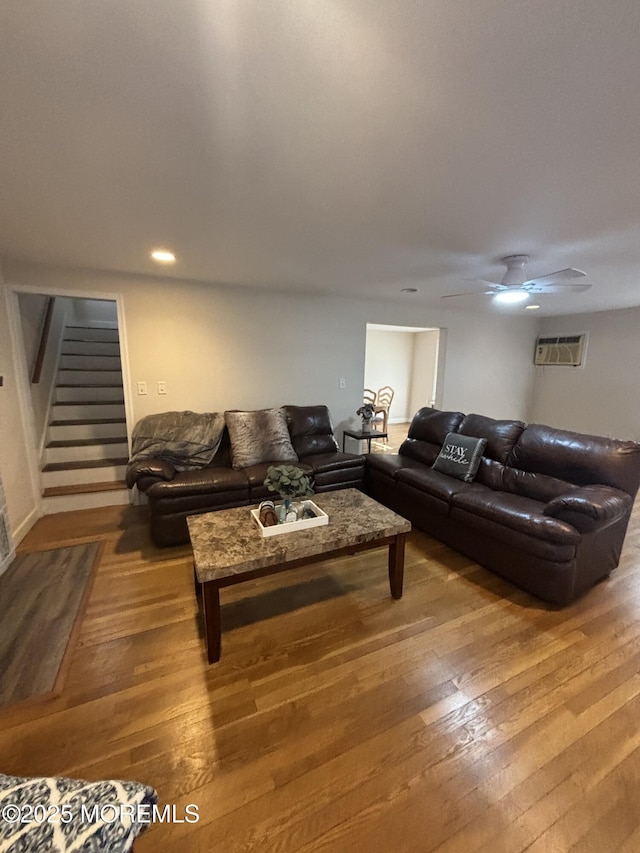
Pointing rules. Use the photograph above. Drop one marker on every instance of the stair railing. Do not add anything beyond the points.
(44, 340)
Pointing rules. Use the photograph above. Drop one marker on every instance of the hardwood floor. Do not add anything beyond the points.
(467, 716)
(396, 435)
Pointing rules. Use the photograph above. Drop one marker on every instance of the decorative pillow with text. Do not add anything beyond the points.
(460, 456)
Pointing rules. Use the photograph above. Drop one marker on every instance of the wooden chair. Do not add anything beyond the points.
(384, 397)
(369, 396)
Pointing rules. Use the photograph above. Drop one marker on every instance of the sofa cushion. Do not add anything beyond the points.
(578, 458)
(310, 429)
(321, 463)
(516, 512)
(202, 481)
(433, 482)
(538, 487)
(392, 463)
(427, 433)
(259, 436)
(501, 436)
(460, 456)
(257, 474)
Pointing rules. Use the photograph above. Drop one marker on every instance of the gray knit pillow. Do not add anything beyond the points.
(260, 436)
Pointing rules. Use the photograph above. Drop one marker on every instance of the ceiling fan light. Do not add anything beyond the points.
(163, 256)
(511, 297)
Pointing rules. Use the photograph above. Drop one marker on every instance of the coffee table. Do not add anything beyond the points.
(228, 548)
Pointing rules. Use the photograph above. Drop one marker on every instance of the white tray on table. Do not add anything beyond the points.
(292, 526)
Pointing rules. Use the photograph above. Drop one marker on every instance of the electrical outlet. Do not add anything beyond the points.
(342, 382)
(162, 386)
(142, 388)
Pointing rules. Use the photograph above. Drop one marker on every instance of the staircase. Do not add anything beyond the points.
(86, 449)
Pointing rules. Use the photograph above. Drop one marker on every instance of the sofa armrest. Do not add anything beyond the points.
(154, 467)
(590, 507)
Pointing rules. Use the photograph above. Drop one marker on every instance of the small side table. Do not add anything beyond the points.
(360, 435)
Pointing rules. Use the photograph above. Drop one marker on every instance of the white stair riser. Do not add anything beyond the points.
(74, 333)
(90, 362)
(87, 412)
(80, 394)
(74, 476)
(69, 432)
(89, 377)
(90, 500)
(85, 453)
(91, 347)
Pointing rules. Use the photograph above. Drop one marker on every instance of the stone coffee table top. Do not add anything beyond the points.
(228, 543)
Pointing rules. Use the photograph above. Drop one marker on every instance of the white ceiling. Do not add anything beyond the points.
(344, 146)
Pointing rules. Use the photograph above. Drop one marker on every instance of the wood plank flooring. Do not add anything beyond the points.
(468, 716)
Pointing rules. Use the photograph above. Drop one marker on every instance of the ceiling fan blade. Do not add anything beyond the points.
(560, 288)
(484, 281)
(469, 293)
(558, 275)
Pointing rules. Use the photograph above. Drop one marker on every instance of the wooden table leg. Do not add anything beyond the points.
(212, 628)
(396, 565)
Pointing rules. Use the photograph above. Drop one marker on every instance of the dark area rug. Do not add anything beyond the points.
(42, 599)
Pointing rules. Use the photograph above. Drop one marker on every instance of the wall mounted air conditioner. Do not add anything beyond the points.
(562, 350)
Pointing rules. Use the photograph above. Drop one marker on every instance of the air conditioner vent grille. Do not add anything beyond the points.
(561, 350)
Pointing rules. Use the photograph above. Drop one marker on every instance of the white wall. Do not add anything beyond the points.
(425, 362)
(15, 461)
(389, 361)
(603, 396)
(228, 347)
(95, 312)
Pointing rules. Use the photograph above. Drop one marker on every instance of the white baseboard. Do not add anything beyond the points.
(22, 529)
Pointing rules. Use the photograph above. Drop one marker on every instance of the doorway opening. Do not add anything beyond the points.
(407, 360)
(73, 365)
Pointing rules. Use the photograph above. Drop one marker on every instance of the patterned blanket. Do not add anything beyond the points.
(58, 815)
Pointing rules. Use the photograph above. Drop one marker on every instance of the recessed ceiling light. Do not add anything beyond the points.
(163, 256)
(511, 296)
(531, 307)
(409, 290)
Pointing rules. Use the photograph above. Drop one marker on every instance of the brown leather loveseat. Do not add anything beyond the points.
(173, 495)
(548, 509)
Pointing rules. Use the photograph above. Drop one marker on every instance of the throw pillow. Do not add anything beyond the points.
(460, 456)
(260, 436)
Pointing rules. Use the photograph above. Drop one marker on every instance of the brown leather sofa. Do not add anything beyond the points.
(548, 509)
(174, 495)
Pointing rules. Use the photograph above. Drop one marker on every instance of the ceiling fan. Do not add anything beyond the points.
(516, 287)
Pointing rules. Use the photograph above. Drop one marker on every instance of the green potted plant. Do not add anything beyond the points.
(289, 482)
